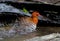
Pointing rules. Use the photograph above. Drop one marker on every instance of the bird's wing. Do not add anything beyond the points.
(26, 25)
(26, 21)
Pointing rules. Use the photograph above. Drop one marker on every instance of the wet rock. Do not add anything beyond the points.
(51, 37)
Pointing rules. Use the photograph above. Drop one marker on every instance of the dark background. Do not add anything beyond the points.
(41, 8)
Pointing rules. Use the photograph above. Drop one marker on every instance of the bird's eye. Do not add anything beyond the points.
(38, 14)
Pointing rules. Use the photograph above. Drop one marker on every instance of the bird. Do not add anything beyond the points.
(28, 24)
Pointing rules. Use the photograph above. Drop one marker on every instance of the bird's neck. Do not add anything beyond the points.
(35, 19)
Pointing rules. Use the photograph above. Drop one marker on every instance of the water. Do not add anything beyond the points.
(11, 35)
(21, 37)
(40, 32)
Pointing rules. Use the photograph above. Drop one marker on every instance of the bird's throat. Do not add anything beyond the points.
(35, 20)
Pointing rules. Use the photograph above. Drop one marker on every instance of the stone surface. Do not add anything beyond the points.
(51, 37)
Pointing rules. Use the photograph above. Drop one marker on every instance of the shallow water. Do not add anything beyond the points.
(40, 32)
(21, 37)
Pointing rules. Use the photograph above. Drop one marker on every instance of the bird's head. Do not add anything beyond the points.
(35, 14)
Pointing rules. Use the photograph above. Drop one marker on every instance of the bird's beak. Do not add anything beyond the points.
(40, 17)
